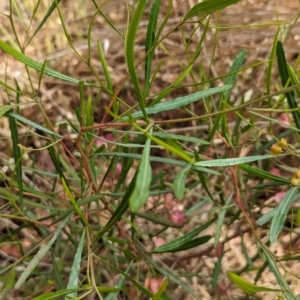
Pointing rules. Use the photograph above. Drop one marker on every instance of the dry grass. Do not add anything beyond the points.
(242, 26)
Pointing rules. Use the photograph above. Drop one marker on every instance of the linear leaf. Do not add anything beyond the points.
(263, 174)
(224, 162)
(4, 109)
(185, 138)
(149, 45)
(191, 244)
(208, 7)
(179, 102)
(34, 125)
(141, 190)
(74, 203)
(280, 279)
(166, 161)
(266, 217)
(58, 294)
(167, 135)
(105, 67)
(119, 284)
(179, 182)
(121, 209)
(48, 14)
(298, 217)
(163, 94)
(170, 274)
(281, 213)
(41, 253)
(17, 155)
(236, 65)
(161, 289)
(130, 278)
(285, 80)
(129, 52)
(182, 240)
(230, 79)
(75, 270)
(248, 287)
(35, 65)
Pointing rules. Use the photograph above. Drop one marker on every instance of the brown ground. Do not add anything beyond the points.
(249, 25)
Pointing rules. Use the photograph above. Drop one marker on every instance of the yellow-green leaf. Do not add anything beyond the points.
(248, 287)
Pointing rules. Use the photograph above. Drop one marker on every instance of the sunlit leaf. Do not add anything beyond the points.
(248, 287)
(208, 7)
(179, 102)
(35, 65)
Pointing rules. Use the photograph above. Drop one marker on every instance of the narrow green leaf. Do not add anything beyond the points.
(266, 217)
(281, 213)
(263, 174)
(105, 67)
(208, 7)
(191, 244)
(150, 42)
(248, 287)
(163, 94)
(119, 284)
(8, 284)
(294, 78)
(130, 54)
(110, 169)
(175, 150)
(35, 65)
(161, 289)
(271, 61)
(167, 161)
(34, 125)
(170, 274)
(285, 79)
(58, 294)
(141, 190)
(129, 254)
(185, 138)
(224, 162)
(130, 278)
(202, 178)
(55, 161)
(216, 273)
(298, 217)
(121, 209)
(233, 73)
(41, 253)
(4, 109)
(75, 270)
(280, 279)
(179, 102)
(57, 271)
(74, 203)
(184, 239)
(17, 155)
(48, 14)
(179, 182)
(230, 79)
